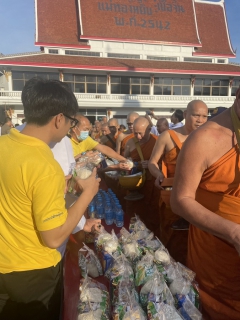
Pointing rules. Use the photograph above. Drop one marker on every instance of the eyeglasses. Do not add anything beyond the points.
(129, 124)
(73, 122)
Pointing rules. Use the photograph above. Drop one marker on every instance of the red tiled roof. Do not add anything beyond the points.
(122, 65)
(212, 30)
(146, 21)
(57, 22)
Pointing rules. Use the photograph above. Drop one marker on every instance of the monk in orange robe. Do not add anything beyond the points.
(146, 208)
(107, 138)
(127, 134)
(167, 148)
(206, 192)
(97, 133)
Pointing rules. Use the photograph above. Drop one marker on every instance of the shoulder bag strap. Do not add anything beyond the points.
(111, 140)
(139, 150)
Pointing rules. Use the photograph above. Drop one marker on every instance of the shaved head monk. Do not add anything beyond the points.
(114, 126)
(97, 133)
(146, 208)
(82, 142)
(162, 125)
(167, 148)
(207, 193)
(104, 120)
(125, 136)
(107, 138)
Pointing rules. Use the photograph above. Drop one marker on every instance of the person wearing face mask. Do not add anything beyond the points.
(82, 142)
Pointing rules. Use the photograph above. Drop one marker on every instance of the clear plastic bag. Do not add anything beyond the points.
(94, 300)
(189, 311)
(153, 289)
(144, 269)
(166, 312)
(120, 268)
(89, 263)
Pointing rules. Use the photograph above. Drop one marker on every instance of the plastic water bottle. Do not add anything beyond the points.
(119, 216)
(108, 214)
(92, 210)
(100, 209)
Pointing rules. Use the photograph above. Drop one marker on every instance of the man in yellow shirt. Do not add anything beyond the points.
(82, 142)
(33, 218)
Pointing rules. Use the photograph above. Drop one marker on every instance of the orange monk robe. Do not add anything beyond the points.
(110, 142)
(174, 240)
(124, 142)
(98, 135)
(146, 208)
(215, 261)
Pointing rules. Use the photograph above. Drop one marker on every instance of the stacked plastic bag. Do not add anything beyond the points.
(145, 282)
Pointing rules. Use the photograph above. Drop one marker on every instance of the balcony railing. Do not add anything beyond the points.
(117, 100)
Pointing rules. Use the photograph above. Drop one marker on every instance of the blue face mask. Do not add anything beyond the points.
(83, 135)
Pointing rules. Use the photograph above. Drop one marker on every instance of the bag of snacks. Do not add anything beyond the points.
(152, 288)
(188, 310)
(110, 248)
(144, 269)
(94, 300)
(89, 263)
(166, 312)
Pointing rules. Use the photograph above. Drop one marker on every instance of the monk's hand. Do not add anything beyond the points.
(144, 164)
(159, 180)
(124, 166)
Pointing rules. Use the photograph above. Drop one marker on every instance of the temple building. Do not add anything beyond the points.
(127, 55)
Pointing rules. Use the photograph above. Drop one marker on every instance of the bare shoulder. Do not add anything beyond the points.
(121, 137)
(208, 143)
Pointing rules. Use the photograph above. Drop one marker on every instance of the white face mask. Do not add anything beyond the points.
(83, 135)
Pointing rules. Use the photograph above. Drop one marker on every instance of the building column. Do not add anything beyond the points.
(230, 87)
(8, 76)
(108, 83)
(192, 86)
(151, 91)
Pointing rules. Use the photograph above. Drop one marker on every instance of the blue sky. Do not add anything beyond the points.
(17, 31)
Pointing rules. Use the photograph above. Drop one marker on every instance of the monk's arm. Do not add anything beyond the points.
(157, 153)
(118, 142)
(109, 152)
(195, 157)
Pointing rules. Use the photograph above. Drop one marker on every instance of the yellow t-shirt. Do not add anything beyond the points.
(31, 200)
(83, 146)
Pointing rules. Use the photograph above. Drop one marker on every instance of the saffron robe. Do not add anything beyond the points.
(124, 142)
(174, 240)
(215, 261)
(146, 208)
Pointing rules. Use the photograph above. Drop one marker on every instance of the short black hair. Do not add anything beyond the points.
(7, 119)
(43, 99)
(179, 115)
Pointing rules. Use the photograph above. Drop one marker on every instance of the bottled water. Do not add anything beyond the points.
(100, 209)
(108, 213)
(92, 209)
(119, 216)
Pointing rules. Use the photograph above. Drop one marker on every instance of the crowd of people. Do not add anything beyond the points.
(199, 225)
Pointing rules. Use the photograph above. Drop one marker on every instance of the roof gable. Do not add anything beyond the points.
(213, 30)
(168, 21)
